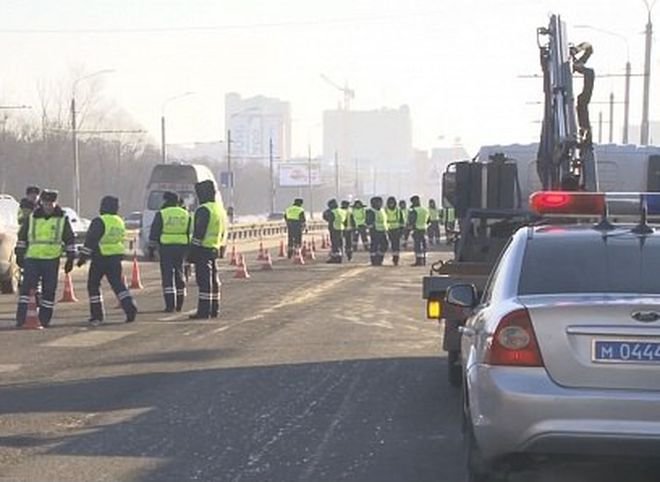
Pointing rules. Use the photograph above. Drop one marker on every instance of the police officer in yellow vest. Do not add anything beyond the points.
(336, 222)
(28, 204)
(394, 220)
(294, 216)
(435, 218)
(104, 245)
(345, 207)
(170, 233)
(405, 230)
(359, 220)
(377, 223)
(209, 234)
(418, 220)
(38, 251)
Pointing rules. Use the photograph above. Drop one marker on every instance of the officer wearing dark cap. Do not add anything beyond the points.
(170, 234)
(418, 220)
(38, 252)
(295, 225)
(104, 244)
(336, 222)
(209, 236)
(377, 223)
(28, 204)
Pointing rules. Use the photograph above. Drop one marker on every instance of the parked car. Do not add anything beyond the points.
(9, 271)
(79, 226)
(133, 220)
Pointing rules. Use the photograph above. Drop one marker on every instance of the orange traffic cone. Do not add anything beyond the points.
(282, 252)
(136, 282)
(268, 262)
(233, 260)
(304, 250)
(261, 256)
(32, 319)
(68, 296)
(241, 269)
(311, 253)
(298, 257)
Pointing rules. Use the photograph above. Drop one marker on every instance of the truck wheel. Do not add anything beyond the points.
(454, 369)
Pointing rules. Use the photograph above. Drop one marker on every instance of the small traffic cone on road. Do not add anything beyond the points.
(268, 262)
(68, 296)
(233, 260)
(262, 255)
(311, 253)
(298, 257)
(136, 282)
(304, 250)
(32, 319)
(241, 268)
(282, 253)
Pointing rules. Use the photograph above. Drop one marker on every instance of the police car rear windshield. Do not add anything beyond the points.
(623, 263)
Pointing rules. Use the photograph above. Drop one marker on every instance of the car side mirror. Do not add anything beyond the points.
(462, 295)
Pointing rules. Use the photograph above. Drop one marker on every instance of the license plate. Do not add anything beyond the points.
(626, 351)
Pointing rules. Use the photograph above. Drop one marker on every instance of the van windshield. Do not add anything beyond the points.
(155, 200)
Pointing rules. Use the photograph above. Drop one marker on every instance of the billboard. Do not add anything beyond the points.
(297, 174)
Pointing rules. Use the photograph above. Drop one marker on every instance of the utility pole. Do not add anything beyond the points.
(336, 175)
(272, 175)
(644, 137)
(163, 145)
(76, 160)
(611, 117)
(626, 104)
(309, 181)
(357, 177)
(600, 127)
(230, 174)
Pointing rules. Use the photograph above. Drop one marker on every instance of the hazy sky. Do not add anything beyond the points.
(455, 63)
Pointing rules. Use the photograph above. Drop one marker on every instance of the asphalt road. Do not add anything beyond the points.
(314, 373)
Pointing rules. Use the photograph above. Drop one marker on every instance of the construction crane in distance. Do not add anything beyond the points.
(349, 93)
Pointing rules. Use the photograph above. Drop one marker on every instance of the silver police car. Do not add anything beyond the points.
(561, 355)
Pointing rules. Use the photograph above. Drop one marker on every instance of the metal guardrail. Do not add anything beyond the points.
(237, 232)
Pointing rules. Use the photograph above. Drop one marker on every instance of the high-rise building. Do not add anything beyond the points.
(373, 149)
(256, 121)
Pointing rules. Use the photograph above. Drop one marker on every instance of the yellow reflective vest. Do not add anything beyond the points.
(45, 237)
(114, 234)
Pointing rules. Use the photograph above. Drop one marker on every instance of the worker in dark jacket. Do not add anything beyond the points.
(359, 220)
(435, 219)
(209, 231)
(104, 245)
(418, 220)
(336, 222)
(170, 234)
(377, 223)
(349, 224)
(294, 216)
(394, 220)
(405, 230)
(38, 251)
(28, 204)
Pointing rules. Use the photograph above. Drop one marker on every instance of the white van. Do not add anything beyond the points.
(176, 177)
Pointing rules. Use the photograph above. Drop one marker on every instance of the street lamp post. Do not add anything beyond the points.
(74, 137)
(163, 142)
(644, 137)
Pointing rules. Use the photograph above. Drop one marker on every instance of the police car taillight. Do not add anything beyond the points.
(567, 203)
(514, 342)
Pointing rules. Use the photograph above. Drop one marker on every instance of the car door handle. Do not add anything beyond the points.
(464, 330)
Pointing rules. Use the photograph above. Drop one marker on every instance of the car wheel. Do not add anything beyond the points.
(454, 369)
(477, 469)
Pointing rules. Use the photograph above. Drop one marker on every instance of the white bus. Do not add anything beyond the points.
(176, 177)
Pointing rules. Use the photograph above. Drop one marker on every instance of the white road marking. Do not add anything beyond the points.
(294, 299)
(177, 316)
(88, 339)
(6, 368)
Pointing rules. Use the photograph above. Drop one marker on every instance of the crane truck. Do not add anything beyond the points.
(486, 193)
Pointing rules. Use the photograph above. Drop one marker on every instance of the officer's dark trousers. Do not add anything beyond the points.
(35, 270)
(294, 237)
(419, 237)
(394, 236)
(434, 232)
(348, 243)
(405, 235)
(206, 271)
(110, 267)
(336, 240)
(378, 247)
(360, 233)
(172, 276)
